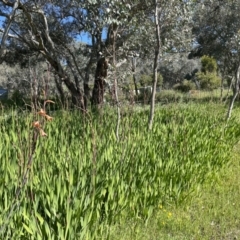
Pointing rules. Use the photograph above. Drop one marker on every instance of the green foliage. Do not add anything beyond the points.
(147, 80)
(168, 96)
(209, 64)
(208, 76)
(208, 81)
(227, 81)
(210, 215)
(83, 179)
(128, 85)
(17, 98)
(184, 86)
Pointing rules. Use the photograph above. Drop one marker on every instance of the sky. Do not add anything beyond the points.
(84, 38)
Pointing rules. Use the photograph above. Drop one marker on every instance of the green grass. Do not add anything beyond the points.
(212, 214)
(196, 96)
(84, 184)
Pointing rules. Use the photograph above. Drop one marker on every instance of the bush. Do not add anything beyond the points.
(208, 81)
(16, 99)
(168, 96)
(146, 80)
(209, 64)
(208, 76)
(185, 86)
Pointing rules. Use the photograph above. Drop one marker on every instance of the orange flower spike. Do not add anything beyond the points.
(42, 133)
(36, 124)
(42, 112)
(48, 117)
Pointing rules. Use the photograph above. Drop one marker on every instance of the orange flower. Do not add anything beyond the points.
(42, 133)
(48, 118)
(42, 112)
(36, 124)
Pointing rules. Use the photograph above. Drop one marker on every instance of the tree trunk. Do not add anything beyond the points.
(155, 68)
(35, 92)
(59, 89)
(229, 89)
(116, 84)
(86, 87)
(134, 63)
(7, 29)
(99, 85)
(222, 88)
(235, 93)
(76, 93)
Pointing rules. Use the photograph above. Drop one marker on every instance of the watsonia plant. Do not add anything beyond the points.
(22, 147)
(84, 180)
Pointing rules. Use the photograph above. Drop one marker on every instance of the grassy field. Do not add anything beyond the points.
(179, 181)
(212, 214)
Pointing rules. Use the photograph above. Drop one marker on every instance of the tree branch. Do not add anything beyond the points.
(5, 34)
(9, 35)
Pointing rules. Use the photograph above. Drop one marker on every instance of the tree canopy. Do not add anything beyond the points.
(51, 31)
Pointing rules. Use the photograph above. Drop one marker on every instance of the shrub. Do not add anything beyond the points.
(208, 81)
(208, 76)
(168, 96)
(209, 64)
(184, 86)
(146, 80)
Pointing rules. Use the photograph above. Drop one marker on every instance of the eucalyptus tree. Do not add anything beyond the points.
(39, 27)
(50, 28)
(217, 25)
(172, 20)
(216, 30)
(122, 29)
